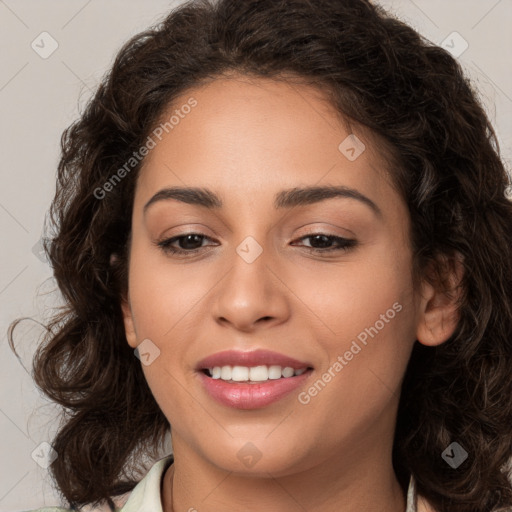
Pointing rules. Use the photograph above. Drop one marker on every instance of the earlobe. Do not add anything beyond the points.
(439, 313)
(129, 324)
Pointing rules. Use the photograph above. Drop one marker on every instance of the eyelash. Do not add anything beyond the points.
(344, 244)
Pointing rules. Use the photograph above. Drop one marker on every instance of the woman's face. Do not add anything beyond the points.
(347, 316)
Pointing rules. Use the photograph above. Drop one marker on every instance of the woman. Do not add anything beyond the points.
(283, 235)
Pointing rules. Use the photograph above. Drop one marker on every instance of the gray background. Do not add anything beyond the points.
(40, 97)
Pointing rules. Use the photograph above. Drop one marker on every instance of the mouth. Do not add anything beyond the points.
(251, 380)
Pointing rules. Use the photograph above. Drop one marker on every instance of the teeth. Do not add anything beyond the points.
(225, 373)
(258, 373)
(288, 372)
(240, 373)
(274, 372)
(253, 373)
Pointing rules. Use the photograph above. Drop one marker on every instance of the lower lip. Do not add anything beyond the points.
(246, 395)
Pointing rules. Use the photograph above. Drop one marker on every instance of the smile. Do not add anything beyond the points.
(251, 380)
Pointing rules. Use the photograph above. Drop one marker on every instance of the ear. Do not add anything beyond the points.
(438, 313)
(129, 324)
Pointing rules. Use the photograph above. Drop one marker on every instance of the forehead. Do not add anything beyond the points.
(257, 135)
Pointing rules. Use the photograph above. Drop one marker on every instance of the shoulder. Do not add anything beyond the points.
(147, 492)
(63, 509)
(85, 508)
(51, 509)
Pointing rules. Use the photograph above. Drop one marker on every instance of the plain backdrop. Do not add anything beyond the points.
(40, 95)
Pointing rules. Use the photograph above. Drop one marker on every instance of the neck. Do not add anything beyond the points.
(334, 485)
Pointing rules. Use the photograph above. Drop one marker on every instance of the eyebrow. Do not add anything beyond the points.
(290, 198)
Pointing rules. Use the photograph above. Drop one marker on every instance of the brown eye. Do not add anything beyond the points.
(321, 243)
(188, 243)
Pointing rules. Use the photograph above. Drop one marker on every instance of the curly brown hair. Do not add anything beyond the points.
(380, 74)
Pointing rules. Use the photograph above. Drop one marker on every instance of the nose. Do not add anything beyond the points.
(251, 296)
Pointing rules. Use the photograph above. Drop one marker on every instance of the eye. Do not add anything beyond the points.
(191, 243)
(322, 243)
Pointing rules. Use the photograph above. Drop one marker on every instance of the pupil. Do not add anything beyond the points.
(326, 240)
(188, 238)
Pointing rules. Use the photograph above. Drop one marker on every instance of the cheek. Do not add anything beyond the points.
(163, 296)
(368, 342)
(163, 300)
(367, 318)
(352, 295)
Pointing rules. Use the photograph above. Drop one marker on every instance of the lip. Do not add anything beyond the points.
(247, 395)
(251, 395)
(250, 358)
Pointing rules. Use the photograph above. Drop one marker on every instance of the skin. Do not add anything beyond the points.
(247, 140)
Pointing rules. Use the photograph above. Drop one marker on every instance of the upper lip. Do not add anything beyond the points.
(250, 358)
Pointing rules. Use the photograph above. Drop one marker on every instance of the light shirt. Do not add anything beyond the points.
(146, 495)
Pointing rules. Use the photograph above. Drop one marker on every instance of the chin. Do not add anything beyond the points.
(258, 457)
